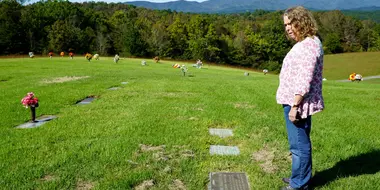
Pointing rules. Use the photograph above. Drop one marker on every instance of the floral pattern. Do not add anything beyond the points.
(301, 73)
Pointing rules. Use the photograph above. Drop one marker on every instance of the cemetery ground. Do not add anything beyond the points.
(153, 132)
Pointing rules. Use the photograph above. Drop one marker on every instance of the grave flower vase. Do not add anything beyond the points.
(33, 113)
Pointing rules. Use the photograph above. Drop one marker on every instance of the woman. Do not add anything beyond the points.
(300, 91)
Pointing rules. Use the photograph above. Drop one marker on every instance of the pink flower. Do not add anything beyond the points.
(29, 100)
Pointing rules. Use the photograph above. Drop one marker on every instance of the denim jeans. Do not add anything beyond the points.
(300, 147)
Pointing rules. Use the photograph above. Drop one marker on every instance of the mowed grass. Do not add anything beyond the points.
(156, 127)
(340, 66)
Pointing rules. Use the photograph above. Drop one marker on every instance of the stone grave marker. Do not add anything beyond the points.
(86, 101)
(221, 132)
(39, 121)
(228, 181)
(124, 82)
(114, 88)
(224, 150)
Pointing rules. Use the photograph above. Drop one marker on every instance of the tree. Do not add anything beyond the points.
(177, 38)
(197, 29)
(351, 29)
(332, 43)
(367, 35)
(11, 31)
(126, 37)
(159, 40)
(63, 36)
(212, 45)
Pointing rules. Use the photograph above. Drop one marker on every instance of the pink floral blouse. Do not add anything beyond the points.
(301, 73)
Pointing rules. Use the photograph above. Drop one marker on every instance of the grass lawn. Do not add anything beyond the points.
(340, 66)
(374, 81)
(156, 127)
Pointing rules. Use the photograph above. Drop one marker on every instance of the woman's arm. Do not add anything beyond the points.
(293, 111)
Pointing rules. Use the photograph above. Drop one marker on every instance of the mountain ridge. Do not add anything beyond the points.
(221, 6)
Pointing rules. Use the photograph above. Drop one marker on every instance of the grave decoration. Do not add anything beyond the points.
(355, 77)
(198, 64)
(71, 55)
(116, 58)
(96, 56)
(51, 54)
(184, 70)
(176, 66)
(156, 59)
(88, 56)
(31, 101)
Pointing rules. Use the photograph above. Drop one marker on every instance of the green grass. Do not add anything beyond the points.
(340, 66)
(98, 145)
(374, 81)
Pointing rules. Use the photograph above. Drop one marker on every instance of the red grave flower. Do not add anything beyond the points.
(29, 100)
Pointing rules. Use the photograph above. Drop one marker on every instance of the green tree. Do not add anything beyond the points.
(11, 31)
(212, 44)
(63, 36)
(126, 37)
(177, 38)
(197, 29)
(367, 35)
(159, 40)
(332, 44)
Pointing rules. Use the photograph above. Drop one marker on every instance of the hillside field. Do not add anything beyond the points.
(340, 66)
(154, 130)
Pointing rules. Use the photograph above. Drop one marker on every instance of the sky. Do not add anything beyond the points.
(109, 1)
(161, 1)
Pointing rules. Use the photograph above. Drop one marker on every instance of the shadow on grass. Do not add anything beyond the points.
(366, 163)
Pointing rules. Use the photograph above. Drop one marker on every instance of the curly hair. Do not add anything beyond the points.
(303, 21)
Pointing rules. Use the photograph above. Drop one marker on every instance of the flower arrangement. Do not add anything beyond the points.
(156, 59)
(29, 100)
(184, 69)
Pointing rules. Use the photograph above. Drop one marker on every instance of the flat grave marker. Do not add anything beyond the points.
(221, 132)
(39, 121)
(86, 101)
(114, 88)
(224, 150)
(228, 181)
(124, 82)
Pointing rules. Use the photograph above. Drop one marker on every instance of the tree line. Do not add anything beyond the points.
(251, 39)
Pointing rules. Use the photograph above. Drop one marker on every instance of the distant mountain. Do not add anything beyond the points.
(222, 6)
(373, 8)
(184, 6)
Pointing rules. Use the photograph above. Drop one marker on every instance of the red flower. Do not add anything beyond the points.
(29, 100)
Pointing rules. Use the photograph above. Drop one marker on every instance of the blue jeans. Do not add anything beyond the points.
(300, 147)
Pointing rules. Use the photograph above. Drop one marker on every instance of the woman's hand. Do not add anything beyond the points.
(293, 115)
